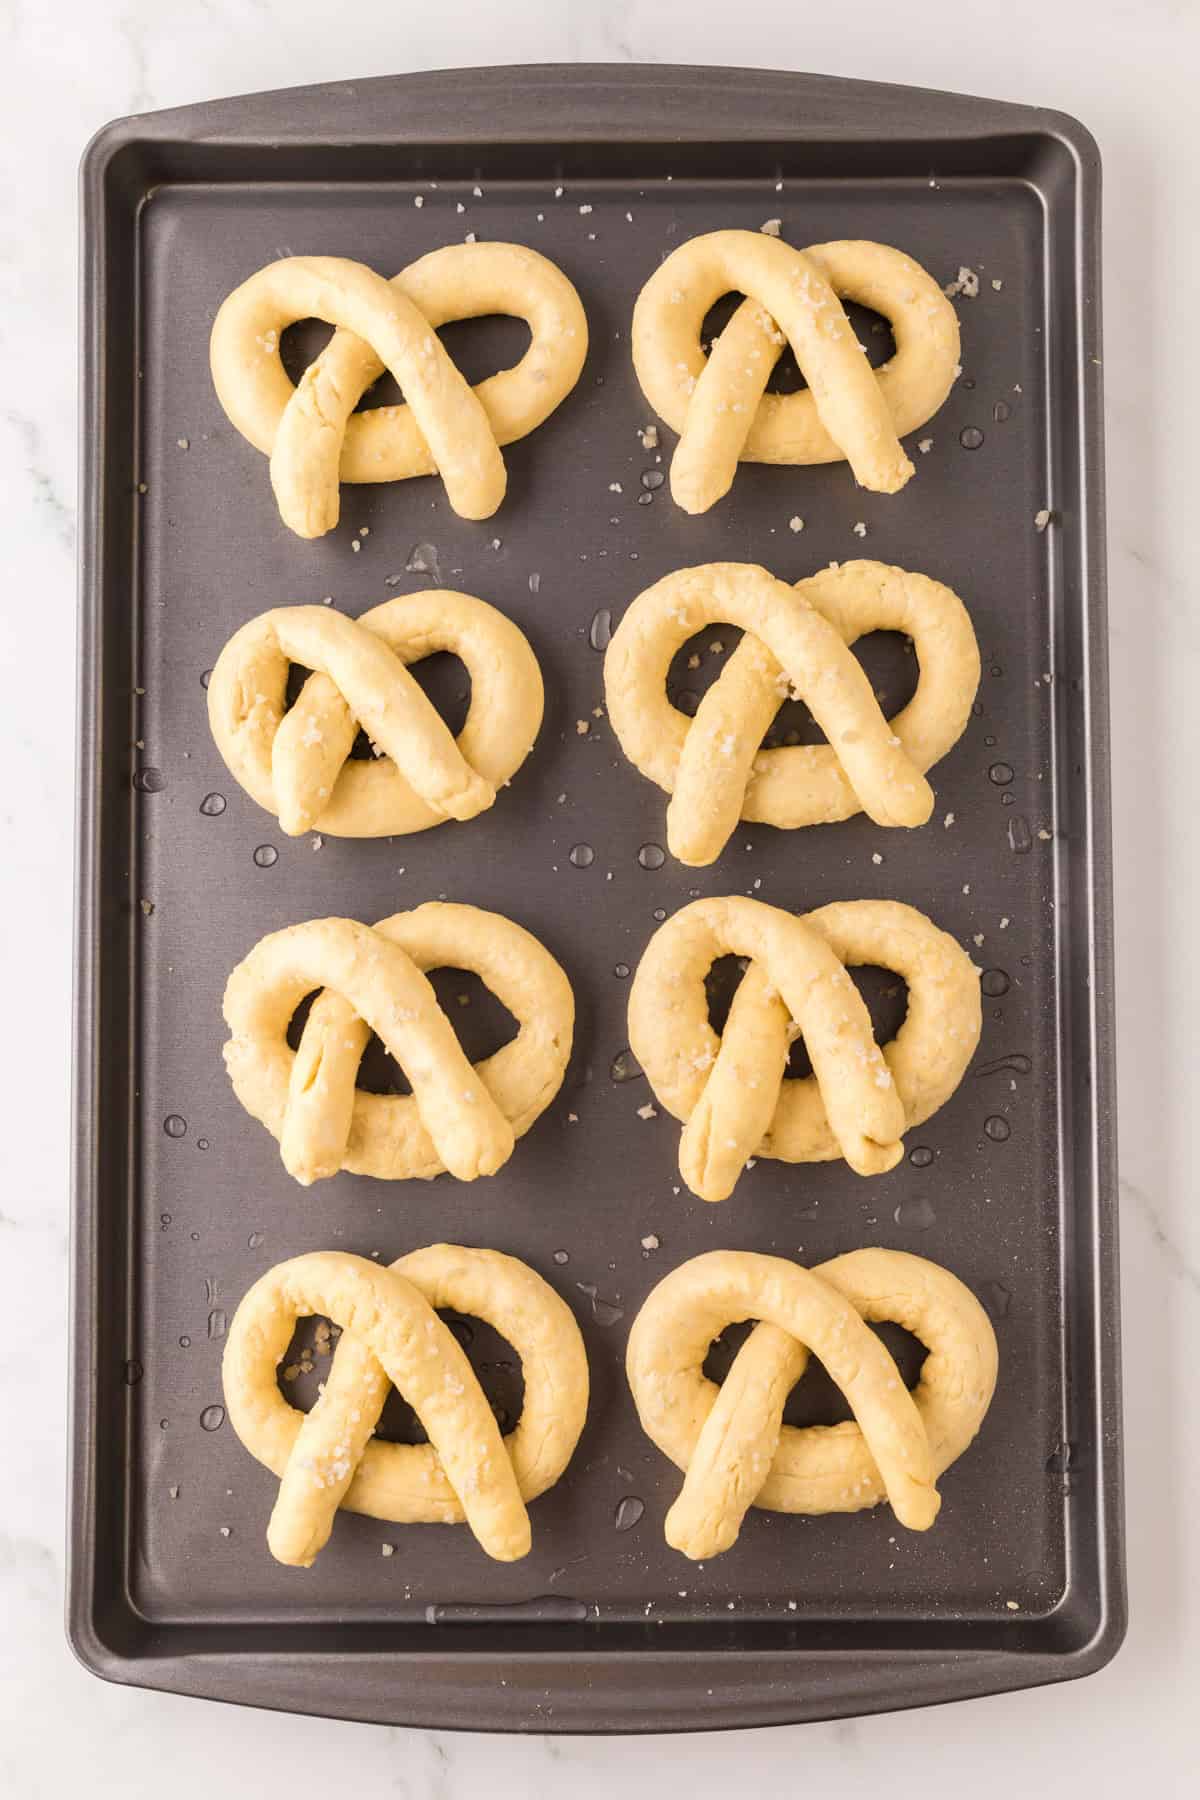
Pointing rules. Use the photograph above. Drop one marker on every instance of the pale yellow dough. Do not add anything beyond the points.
(719, 404)
(392, 1335)
(459, 1116)
(730, 1091)
(732, 1440)
(297, 762)
(311, 432)
(796, 641)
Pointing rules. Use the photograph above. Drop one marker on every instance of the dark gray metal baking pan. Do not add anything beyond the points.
(180, 1198)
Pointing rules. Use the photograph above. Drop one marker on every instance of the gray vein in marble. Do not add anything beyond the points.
(1172, 1254)
(46, 496)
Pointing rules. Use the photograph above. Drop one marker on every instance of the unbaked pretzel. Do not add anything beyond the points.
(459, 1116)
(796, 642)
(719, 404)
(312, 433)
(731, 1091)
(329, 1457)
(297, 763)
(732, 1440)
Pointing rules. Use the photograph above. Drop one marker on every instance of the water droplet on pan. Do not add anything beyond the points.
(213, 805)
(1017, 1064)
(652, 479)
(652, 856)
(582, 856)
(1001, 411)
(423, 560)
(625, 1066)
(605, 1312)
(994, 982)
(212, 1418)
(600, 629)
(265, 856)
(920, 1156)
(561, 1257)
(970, 437)
(629, 1511)
(621, 971)
(150, 781)
(218, 1324)
(132, 1372)
(916, 1215)
(1020, 838)
(256, 1240)
(205, 677)
(175, 1126)
(1000, 774)
(997, 1129)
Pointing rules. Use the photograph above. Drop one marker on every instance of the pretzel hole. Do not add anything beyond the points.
(482, 1024)
(872, 330)
(309, 1355)
(886, 656)
(477, 347)
(442, 677)
(816, 1398)
(884, 992)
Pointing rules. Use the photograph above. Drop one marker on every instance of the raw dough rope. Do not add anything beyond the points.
(328, 1457)
(311, 432)
(796, 643)
(719, 404)
(297, 763)
(459, 1116)
(732, 1441)
(731, 1090)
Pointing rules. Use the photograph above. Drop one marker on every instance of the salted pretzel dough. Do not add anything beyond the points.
(719, 404)
(329, 1458)
(311, 432)
(732, 1441)
(796, 642)
(730, 1091)
(297, 762)
(459, 1116)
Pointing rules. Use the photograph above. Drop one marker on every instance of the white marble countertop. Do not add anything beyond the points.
(1128, 72)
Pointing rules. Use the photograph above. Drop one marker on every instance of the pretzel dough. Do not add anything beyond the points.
(732, 1441)
(312, 433)
(730, 1091)
(459, 1117)
(392, 1334)
(719, 404)
(297, 763)
(796, 641)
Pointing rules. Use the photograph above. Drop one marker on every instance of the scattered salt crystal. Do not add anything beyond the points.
(1042, 518)
(925, 445)
(948, 821)
(859, 529)
(387, 1549)
(418, 199)
(771, 227)
(651, 1241)
(647, 1112)
(795, 523)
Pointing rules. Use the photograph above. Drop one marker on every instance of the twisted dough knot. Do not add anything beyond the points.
(392, 1335)
(459, 1116)
(732, 1441)
(297, 763)
(796, 643)
(731, 1090)
(311, 432)
(719, 404)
